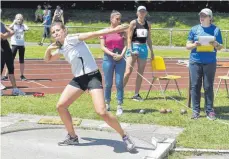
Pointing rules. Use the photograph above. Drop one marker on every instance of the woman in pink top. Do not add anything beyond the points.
(114, 47)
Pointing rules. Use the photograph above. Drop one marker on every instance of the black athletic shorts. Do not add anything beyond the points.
(6, 57)
(88, 81)
(21, 50)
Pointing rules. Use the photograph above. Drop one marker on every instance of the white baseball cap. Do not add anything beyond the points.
(141, 8)
(207, 11)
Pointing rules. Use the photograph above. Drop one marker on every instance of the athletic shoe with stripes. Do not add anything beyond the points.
(23, 78)
(137, 97)
(129, 143)
(69, 141)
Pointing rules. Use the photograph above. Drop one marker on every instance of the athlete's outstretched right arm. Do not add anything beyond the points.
(49, 56)
(95, 34)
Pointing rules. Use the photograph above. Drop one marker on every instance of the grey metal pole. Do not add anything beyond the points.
(226, 39)
(170, 37)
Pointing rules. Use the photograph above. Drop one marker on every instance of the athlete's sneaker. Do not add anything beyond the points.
(4, 78)
(108, 107)
(69, 141)
(2, 87)
(211, 116)
(129, 143)
(1, 92)
(23, 78)
(17, 92)
(137, 97)
(119, 110)
(195, 116)
(40, 43)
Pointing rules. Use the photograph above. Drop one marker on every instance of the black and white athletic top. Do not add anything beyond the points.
(140, 33)
(77, 53)
(18, 37)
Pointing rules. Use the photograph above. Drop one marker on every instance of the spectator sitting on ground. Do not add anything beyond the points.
(38, 14)
(58, 15)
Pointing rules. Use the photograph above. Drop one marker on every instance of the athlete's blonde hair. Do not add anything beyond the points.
(20, 17)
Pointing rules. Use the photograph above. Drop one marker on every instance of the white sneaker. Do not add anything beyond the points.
(2, 86)
(119, 110)
(108, 107)
(17, 92)
(1, 93)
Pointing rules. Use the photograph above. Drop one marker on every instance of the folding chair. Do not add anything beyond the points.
(225, 78)
(158, 64)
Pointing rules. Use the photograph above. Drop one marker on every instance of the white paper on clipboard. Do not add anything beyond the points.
(205, 40)
(205, 44)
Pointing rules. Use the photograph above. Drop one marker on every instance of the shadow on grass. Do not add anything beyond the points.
(138, 111)
(167, 98)
(221, 109)
(222, 112)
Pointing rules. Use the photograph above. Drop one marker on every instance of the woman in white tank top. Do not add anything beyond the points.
(18, 43)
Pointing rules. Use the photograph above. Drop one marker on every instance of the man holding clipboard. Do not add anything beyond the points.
(204, 40)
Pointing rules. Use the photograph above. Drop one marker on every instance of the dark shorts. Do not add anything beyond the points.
(6, 57)
(21, 50)
(88, 81)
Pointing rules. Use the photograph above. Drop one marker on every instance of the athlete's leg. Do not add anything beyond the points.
(69, 95)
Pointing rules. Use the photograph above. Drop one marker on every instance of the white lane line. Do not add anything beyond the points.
(38, 84)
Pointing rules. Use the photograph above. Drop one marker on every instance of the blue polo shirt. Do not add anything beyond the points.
(48, 22)
(204, 57)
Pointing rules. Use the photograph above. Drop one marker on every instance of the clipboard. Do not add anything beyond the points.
(205, 46)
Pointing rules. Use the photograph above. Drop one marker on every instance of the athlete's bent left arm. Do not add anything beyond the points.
(49, 55)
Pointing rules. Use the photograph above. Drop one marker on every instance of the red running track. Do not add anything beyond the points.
(53, 77)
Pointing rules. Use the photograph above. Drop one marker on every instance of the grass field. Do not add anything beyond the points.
(200, 133)
(38, 52)
(183, 155)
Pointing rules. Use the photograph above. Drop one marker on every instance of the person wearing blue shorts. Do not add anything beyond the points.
(139, 36)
